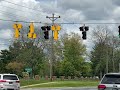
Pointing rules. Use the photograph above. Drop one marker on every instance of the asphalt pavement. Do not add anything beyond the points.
(70, 88)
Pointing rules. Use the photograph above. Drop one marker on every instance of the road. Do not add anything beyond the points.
(71, 88)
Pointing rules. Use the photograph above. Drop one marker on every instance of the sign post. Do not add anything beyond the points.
(29, 71)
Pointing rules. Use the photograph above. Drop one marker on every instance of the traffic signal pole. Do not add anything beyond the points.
(53, 18)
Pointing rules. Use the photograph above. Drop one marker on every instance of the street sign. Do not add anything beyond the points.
(28, 69)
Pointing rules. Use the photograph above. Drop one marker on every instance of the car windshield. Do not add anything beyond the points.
(111, 79)
(10, 77)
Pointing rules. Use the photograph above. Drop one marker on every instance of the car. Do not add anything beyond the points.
(110, 81)
(9, 82)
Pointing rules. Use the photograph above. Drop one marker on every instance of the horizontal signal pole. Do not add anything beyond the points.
(59, 22)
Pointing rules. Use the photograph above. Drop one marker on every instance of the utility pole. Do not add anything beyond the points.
(53, 18)
(119, 67)
(113, 53)
(107, 61)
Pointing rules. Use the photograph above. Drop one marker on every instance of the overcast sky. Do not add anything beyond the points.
(79, 11)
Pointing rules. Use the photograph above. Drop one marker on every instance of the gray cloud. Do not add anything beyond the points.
(92, 9)
(116, 2)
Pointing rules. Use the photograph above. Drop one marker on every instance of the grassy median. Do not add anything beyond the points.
(31, 82)
(71, 83)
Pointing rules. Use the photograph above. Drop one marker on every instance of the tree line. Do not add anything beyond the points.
(69, 55)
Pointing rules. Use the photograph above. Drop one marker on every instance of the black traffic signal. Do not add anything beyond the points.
(48, 27)
(119, 30)
(84, 34)
(81, 29)
(46, 31)
(86, 28)
(43, 28)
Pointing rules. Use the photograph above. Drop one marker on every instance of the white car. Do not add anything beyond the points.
(110, 81)
(9, 82)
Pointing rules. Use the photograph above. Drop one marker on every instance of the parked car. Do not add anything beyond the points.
(9, 82)
(110, 81)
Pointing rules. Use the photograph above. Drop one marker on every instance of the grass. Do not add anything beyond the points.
(82, 83)
(69, 84)
(31, 81)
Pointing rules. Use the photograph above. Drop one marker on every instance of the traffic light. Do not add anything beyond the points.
(55, 29)
(31, 33)
(17, 27)
(119, 30)
(55, 35)
(84, 30)
(81, 29)
(84, 34)
(46, 30)
(46, 34)
(34, 36)
(31, 27)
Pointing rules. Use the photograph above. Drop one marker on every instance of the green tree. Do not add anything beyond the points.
(68, 68)
(98, 59)
(32, 56)
(27, 53)
(103, 55)
(5, 58)
(15, 67)
(74, 50)
(86, 69)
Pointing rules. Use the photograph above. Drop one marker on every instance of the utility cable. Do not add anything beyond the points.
(11, 14)
(17, 9)
(22, 6)
(90, 23)
(18, 21)
(57, 23)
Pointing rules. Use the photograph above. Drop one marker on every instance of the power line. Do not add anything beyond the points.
(11, 14)
(57, 23)
(17, 9)
(18, 21)
(7, 20)
(90, 23)
(22, 6)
